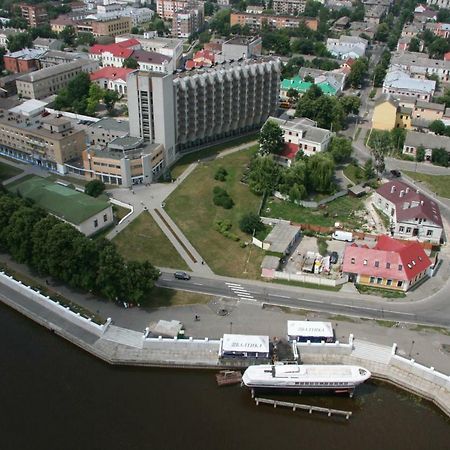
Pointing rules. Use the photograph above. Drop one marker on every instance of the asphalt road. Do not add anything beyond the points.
(432, 311)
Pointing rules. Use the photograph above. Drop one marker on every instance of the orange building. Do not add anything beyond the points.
(257, 21)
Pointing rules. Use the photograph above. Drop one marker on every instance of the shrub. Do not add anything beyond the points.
(250, 222)
(223, 227)
(221, 174)
(221, 198)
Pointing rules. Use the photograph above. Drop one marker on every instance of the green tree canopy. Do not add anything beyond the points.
(250, 223)
(270, 138)
(264, 174)
(340, 149)
(94, 188)
(130, 63)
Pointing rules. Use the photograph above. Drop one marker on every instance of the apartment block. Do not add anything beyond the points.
(240, 47)
(257, 21)
(418, 65)
(35, 15)
(289, 7)
(399, 84)
(440, 3)
(167, 8)
(112, 26)
(49, 141)
(51, 80)
(187, 21)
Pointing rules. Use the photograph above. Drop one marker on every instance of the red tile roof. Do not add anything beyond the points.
(111, 73)
(289, 150)
(389, 259)
(150, 57)
(120, 49)
(447, 56)
(409, 202)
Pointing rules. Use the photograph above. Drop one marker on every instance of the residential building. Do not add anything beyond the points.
(112, 26)
(301, 134)
(427, 141)
(35, 15)
(5, 33)
(8, 84)
(200, 59)
(113, 54)
(167, 8)
(333, 78)
(171, 47)
(374, 13)
(398, 82)
(62, 22)
(240, 47)
(327, 86)
(289, 7)
(254, 9)
(347, 47)
(125, 161)
(102, 132)
(440, 3)
(187, 21)
(418, 65)
(47, 44)
(51, 80)
(188, 109)
(112, 78)
(23, 60)
(257, 21)
(153, 62)
(413, 215)
(363, 28)
(137, 16)
(389, 114)
(439, 29)
(56, 57)
(403, 44)
(428, 111)
(425, 15)
(390, 264)
(49, 141)
(411, 30)
(87, 214)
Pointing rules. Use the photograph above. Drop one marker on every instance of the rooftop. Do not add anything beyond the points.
(401, 80)
(26, 53)
(47, 72)
(161, 41)
(241, 40)
(68, 204)
(427, 140)
(150, 57)
(409, 202)
(281, 237)
(434, 106)
(310, 132)
(111, 73)
(418, 60)
(301, 86)
(112, 124)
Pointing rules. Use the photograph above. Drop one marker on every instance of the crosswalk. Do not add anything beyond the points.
(241, 292)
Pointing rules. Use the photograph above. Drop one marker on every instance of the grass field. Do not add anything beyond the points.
(437, 183)
(143, 240)
(354, 173)
(340, 210)
(182, 164)
(192, 208)
(159, 297)
(7, 171)
(386, 293)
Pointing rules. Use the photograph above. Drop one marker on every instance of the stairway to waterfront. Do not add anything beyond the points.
(373, 352)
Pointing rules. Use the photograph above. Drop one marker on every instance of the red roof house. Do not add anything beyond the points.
(391, 264)
(447, 56)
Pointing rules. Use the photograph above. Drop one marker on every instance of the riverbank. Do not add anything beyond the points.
(121, 346)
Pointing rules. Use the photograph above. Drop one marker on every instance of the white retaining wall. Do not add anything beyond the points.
(56, 307)
(320, 280)
(323, 347)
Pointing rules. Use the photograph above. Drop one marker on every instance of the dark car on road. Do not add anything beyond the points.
(334, 257)
(396, 173)
(182, 276)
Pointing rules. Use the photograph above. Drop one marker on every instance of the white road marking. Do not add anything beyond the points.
(233, 284)
(198, 284)
(281, 296)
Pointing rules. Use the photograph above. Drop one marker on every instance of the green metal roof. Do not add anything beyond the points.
(302, 86)
(66, 203)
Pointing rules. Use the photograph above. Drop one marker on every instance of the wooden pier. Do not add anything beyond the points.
(227, 377)
(309, 408)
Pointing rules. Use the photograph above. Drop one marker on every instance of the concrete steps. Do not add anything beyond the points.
(374, 352)
(123, 336)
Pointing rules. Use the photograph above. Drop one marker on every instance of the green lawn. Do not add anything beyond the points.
(7, 171)
(340, 210)
(120, 212)
(159, 297)
(182, 164)
(143, 240)
(386, 293)
(192, 208)
(354, 173)
(308, 285)
(437, 183)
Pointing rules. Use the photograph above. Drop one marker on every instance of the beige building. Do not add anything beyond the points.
(112, 27)
(49, 141)
(289, 7)
(51, 80)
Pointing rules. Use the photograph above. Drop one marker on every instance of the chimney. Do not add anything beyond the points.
(402, 193)
(406, 190)
(421, 202)
(392, 189)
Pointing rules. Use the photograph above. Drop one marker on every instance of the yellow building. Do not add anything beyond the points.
(389, 114)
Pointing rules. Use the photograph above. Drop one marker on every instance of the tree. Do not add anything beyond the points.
(350, 103)
(294, 180)
(369, 171)
(340, 149)
(435, 78)
(312, 8)
(270, 138)
(130, 63)
(74, 96)
(250, 223)
(264, 175)
(439, 46)
(94, 188)
(110, 98)
(96, 93)
(357, 72)
(204, 37)
(439, 156)
(414, 45)
(321, 172)
(222, 198)
(140, 279)
(68, 35)
(420, 153)
(209, 8)
(111, 276)
(382, 32)
(292, 95)
(379, 161)
(437, 126)
(85, 38)
(19, 41)
(398, 136)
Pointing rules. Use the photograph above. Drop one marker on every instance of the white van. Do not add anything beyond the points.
(342, 236)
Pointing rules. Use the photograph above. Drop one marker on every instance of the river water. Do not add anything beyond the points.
(55, 396)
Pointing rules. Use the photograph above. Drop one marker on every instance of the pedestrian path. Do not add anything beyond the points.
(240, 292)
(373, 352)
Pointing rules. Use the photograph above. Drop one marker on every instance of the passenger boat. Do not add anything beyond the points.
(337, 378)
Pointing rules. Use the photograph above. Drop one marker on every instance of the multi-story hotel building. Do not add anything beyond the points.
(45, 141)
(289, 7)
(51, 80)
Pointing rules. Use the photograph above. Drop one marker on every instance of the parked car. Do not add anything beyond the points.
(182, 276)
(396, 173)
(334, 257)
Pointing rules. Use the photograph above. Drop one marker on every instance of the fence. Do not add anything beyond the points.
(312, 204)
(337, 348)
(310, 279)
(260, 244)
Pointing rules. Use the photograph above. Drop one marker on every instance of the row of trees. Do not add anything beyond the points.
(387, 142)
(82, 97)
(54, 248)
